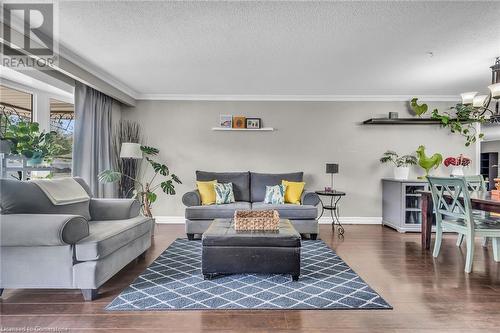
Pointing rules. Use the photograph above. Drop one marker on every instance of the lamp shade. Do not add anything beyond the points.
(131, 150)
(495, 90)
(332, 168)
(468, 97)
(479, 101)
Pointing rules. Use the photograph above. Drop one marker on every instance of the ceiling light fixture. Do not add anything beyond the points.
(482, 102)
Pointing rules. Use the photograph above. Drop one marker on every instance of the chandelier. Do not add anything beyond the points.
(482, 103)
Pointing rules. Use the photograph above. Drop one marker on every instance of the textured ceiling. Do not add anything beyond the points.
(287, 48)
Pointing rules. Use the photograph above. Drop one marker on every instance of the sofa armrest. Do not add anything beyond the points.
(42, 229)
(191, 198)
(309, 198)
(114, 209)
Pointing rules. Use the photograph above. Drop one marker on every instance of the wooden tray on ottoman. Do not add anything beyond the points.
(253, 220)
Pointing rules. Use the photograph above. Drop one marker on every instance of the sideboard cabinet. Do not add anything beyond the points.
(401, 207)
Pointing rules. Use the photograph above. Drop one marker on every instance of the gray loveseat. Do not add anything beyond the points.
(75, 246)
(249, 190)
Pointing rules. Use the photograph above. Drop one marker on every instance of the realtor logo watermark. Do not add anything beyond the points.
(29, 35)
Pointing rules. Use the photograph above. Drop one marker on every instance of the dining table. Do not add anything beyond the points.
(480, 200)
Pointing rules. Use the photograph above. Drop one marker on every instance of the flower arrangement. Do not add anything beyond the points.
(460, 160)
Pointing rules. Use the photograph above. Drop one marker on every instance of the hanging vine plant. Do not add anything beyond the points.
(459, 119)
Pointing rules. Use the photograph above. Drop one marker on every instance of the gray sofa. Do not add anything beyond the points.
(249, 190)
(75, 246)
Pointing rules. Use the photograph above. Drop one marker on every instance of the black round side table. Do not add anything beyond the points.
(333, 207)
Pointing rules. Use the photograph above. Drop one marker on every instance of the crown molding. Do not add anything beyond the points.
(299, 98)
(94, 70)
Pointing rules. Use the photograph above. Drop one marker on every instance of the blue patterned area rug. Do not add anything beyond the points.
(174, 282)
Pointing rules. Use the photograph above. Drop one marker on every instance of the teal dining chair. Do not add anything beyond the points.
(475, 183)
(454, 213)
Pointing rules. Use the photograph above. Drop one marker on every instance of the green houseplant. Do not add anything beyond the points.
(459, 119)
(27, 140)
(401, 163)
(145, 190)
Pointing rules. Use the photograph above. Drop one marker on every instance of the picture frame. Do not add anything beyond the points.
(254, 123)
(239, 122)
(225, 121)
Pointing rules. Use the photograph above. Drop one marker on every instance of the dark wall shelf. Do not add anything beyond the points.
(402, 121)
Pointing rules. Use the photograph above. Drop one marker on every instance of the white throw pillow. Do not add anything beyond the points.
(275, 194)
(223, 193)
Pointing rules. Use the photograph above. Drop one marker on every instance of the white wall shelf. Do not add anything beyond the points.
(263, 129)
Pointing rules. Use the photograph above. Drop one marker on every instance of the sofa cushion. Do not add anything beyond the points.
(275, 194)
(240, 180)
(215, 211)
(207, 191)
(289, 211)
(105, 237)
(25, 197)
(259, 181)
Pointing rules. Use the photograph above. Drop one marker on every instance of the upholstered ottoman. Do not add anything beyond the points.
(227, 251)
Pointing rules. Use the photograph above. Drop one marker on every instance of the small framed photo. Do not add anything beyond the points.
(239, 122)
(253, 123)
(226, 121)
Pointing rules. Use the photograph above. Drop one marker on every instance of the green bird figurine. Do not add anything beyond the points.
(418, 109)
(427, 163)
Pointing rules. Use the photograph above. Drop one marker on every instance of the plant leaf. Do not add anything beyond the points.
(168, 187)
(150, 150)
(151, 197)
(176, 179)
(109, 176)
(158, 167)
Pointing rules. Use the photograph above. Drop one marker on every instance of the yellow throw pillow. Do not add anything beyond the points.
(293, 191)
(207, 192)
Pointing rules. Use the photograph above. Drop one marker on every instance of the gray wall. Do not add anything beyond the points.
(308, 135)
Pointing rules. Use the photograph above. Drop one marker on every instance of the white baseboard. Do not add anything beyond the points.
(170, 219)
(323, 220)
(353, 220)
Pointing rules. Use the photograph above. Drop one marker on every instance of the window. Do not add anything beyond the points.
(62, 121)
(54, 115)
(15, 106)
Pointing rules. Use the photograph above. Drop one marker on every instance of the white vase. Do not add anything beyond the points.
(401, 173)
(457, 171)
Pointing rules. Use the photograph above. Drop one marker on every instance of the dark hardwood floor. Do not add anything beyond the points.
(426, 294)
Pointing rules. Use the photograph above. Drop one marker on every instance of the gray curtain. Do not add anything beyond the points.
(92, 150)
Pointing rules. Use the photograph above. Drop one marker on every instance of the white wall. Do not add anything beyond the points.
(491, 132)
(490, 146)
(308, 135)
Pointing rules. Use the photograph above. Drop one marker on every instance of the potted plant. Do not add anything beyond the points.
(458, 163)
(27, 141)
(144, 191)
(401, 163)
